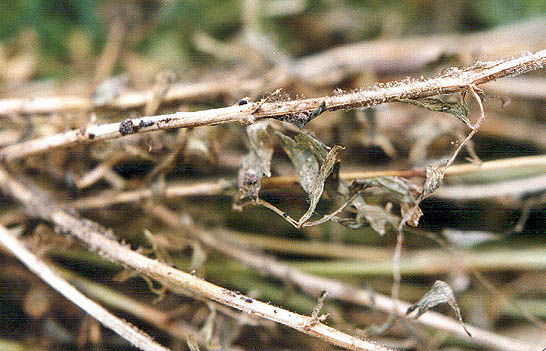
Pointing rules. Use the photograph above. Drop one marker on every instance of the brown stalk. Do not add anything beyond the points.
(407, 55)
(97, 239)
(315, 285)
(515, 187)
(130, 333)
(300, 109)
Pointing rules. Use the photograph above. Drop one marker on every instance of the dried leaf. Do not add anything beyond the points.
(303, 152)
(457, 109)
(439, 293)
(411, 213)
(407, 193)
(401, 189)
(257, 162)
(317, 147)
(434, 178)
(302, 118)
(303, 159)
(260, 143)
(250, 175)
(320, 109)
(318, 186)
(375, 216)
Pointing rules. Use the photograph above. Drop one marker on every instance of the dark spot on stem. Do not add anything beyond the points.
(91, 136)
(249, 300)
(302, 118)
(144, 124)
(243, 101)
(126, 127)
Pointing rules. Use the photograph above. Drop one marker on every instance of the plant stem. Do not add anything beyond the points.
(300, 108)
(130, 333)
(98, 240)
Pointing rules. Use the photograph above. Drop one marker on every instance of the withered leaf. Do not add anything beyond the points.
(400, 188)
(250, 175)
(434, 178)
(457, 109)
(375, 216)
(439, 293)
(411, 213)
(317, 147)
(257, 162)
(318, 186)
(305, 152)
(320, 109)
(303, 159)
(407, 193)
(260, 143)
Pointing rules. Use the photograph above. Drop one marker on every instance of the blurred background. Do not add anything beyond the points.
(60, 39)
(109, 60)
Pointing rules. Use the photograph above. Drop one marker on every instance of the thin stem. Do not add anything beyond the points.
(475, 127)
(125, 303)
(130, 333)
(286, 110)
(528, 165)
(315, 285)
(515, 165)
(98, 240)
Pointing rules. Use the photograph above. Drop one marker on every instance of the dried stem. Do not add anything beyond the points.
(459, 80)
(406, 56)
(532, 163)
(513, 188)
(97, 240)
(315, 285)
(219, 187)
(130, 333)
(160, 319)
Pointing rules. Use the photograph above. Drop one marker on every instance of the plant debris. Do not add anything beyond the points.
(439, 293)
(457, 109)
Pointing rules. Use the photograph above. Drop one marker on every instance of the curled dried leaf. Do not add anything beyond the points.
(318, 186)
(374, 216)
(411, 213)
(440, 293)
(250, 175)
(303, 159)
(302, 118)
(434, 178)
(260, 143)
(317, 147)
(399, 188)
(306, 154)
(257, 162)
(457, 109)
